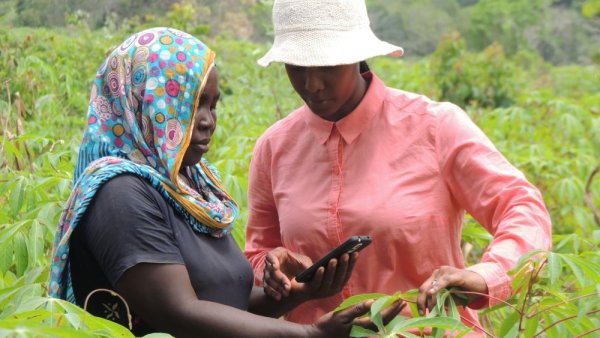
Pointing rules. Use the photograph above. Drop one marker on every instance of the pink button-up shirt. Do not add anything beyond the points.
(402, 169)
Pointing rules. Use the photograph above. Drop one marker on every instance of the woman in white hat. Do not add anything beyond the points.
(360, 158)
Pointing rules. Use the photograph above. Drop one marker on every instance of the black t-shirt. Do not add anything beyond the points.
(129, 222)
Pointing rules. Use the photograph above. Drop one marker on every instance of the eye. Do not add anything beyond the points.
(292, 68)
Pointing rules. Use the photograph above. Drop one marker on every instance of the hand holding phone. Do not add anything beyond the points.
(352, 244)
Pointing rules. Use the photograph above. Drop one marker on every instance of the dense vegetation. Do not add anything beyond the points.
(542, 110)
(562, 31)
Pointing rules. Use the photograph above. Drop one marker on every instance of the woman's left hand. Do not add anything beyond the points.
(446, 277)
(281, 265)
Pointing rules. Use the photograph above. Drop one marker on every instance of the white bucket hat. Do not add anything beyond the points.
(323, 33)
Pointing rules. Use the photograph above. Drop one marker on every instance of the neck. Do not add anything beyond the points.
(184, 175)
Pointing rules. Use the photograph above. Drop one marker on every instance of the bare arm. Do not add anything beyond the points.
(264, 305)
(163, 296)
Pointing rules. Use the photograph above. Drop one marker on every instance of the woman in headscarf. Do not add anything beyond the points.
(360, 158)
(147, 225)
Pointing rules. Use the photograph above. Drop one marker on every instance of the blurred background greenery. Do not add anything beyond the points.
(560, 31)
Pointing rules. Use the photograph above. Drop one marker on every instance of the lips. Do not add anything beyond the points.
(204, 141)
(319, 101)
(200, 145)
(319, 105)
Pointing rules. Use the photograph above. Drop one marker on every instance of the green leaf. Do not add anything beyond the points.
(36, 275)
(350, 301)
(21, 255)
(7, 292)
(391, 326)
(36, 242)
(586, 271)
(414, 310)
(596, 237)
(531, 326)
(32, 304)
(375, 311)
(378, 321)
(438, 322)
(555, 267)
(15, 328)
(452, 309)
(526, 259)
(510, 326)
(359, 331)
(9, 230)
(6, 256)
(17, 196)
(381, 303)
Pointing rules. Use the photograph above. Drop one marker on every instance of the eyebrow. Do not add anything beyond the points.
(217, 95)
(203, 96)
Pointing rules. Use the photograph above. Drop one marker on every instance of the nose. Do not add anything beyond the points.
(204, 118)
(313, 81)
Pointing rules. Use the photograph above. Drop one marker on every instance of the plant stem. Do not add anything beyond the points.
(588, 332)
(477, 326)
(563, 320)
(589, 198)
(560, 303)
(528, 293)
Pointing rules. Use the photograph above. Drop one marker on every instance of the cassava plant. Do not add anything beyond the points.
(556, 295)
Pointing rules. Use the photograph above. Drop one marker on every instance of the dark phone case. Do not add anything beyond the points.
(352, 244)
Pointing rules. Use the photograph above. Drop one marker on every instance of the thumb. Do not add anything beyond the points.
(295, 263)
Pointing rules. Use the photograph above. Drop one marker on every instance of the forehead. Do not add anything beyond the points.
(212, 82)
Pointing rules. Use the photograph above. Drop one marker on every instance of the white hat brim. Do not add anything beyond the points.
(315, 48)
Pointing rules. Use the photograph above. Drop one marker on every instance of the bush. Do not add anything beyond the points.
(485, 79)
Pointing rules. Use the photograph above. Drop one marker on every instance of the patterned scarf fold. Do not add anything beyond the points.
(140, 114)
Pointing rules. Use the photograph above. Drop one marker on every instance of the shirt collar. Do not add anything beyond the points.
(354, 123)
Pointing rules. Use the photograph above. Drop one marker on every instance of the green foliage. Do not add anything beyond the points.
(541, 306)
(562, 32)
(504, 22)
(591, 8)
(414, 25)
(486, 79)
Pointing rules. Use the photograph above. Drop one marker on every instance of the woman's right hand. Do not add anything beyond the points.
(339, 324)
(281, 265)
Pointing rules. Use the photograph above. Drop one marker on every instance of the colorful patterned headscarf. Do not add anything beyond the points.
(140, 117)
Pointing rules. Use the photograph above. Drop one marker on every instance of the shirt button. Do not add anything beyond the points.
(336, 171)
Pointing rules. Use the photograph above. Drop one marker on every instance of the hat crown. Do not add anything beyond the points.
(306, 15)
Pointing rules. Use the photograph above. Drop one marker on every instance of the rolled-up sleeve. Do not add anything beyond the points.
(496, 194)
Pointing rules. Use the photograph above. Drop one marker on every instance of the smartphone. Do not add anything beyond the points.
(352, 244)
